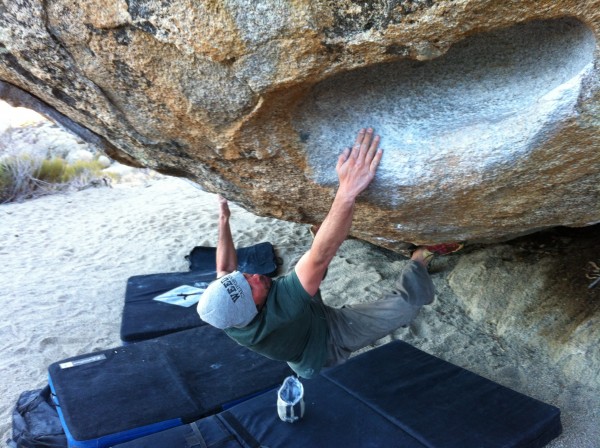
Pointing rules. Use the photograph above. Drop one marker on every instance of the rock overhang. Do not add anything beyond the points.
(488, 111)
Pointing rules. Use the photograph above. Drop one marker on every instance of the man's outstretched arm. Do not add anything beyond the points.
(356, 169)
(226, 255)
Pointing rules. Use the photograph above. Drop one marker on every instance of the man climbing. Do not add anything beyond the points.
(286, 319)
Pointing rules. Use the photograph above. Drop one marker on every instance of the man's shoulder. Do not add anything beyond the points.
(289, 284)
(286, 277)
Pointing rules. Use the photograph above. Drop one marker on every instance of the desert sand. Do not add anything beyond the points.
(65, 260)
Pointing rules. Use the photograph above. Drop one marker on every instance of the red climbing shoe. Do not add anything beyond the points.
(440, 249)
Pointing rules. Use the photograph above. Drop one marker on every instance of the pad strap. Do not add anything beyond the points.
(195, 439)
(240, 430)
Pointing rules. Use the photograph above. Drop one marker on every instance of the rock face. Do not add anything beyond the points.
(534, 292)
(489, 111)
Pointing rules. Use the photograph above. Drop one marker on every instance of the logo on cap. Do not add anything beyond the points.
(232, 288)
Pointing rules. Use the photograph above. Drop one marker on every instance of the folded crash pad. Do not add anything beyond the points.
(256, 259)
(333, 418)
(443, 405)
(144, 317)
(110, 396)
(392, 396)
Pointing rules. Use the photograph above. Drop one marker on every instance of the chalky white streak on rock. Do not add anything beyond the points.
(484, 105)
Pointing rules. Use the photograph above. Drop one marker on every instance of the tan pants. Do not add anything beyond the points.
(355, 326)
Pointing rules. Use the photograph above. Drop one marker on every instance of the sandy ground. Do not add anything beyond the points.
(65, 260)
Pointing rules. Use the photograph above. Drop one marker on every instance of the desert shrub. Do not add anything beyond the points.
(4, 179)
(82, 168)
(24, 177)
(52, 170)
(19, 180)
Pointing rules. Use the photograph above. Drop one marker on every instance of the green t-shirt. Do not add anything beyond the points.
(291, 327)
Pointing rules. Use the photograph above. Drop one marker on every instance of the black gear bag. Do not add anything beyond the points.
(36, 423)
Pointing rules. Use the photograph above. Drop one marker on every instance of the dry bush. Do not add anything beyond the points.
(26, 177)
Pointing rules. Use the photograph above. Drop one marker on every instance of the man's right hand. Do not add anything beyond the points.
(356, 166)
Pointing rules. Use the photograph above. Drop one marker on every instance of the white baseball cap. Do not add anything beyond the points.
(227, 302)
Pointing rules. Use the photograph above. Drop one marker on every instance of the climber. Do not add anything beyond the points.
(285, 319)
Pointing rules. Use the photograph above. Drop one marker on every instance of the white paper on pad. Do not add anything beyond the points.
(184, 295)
